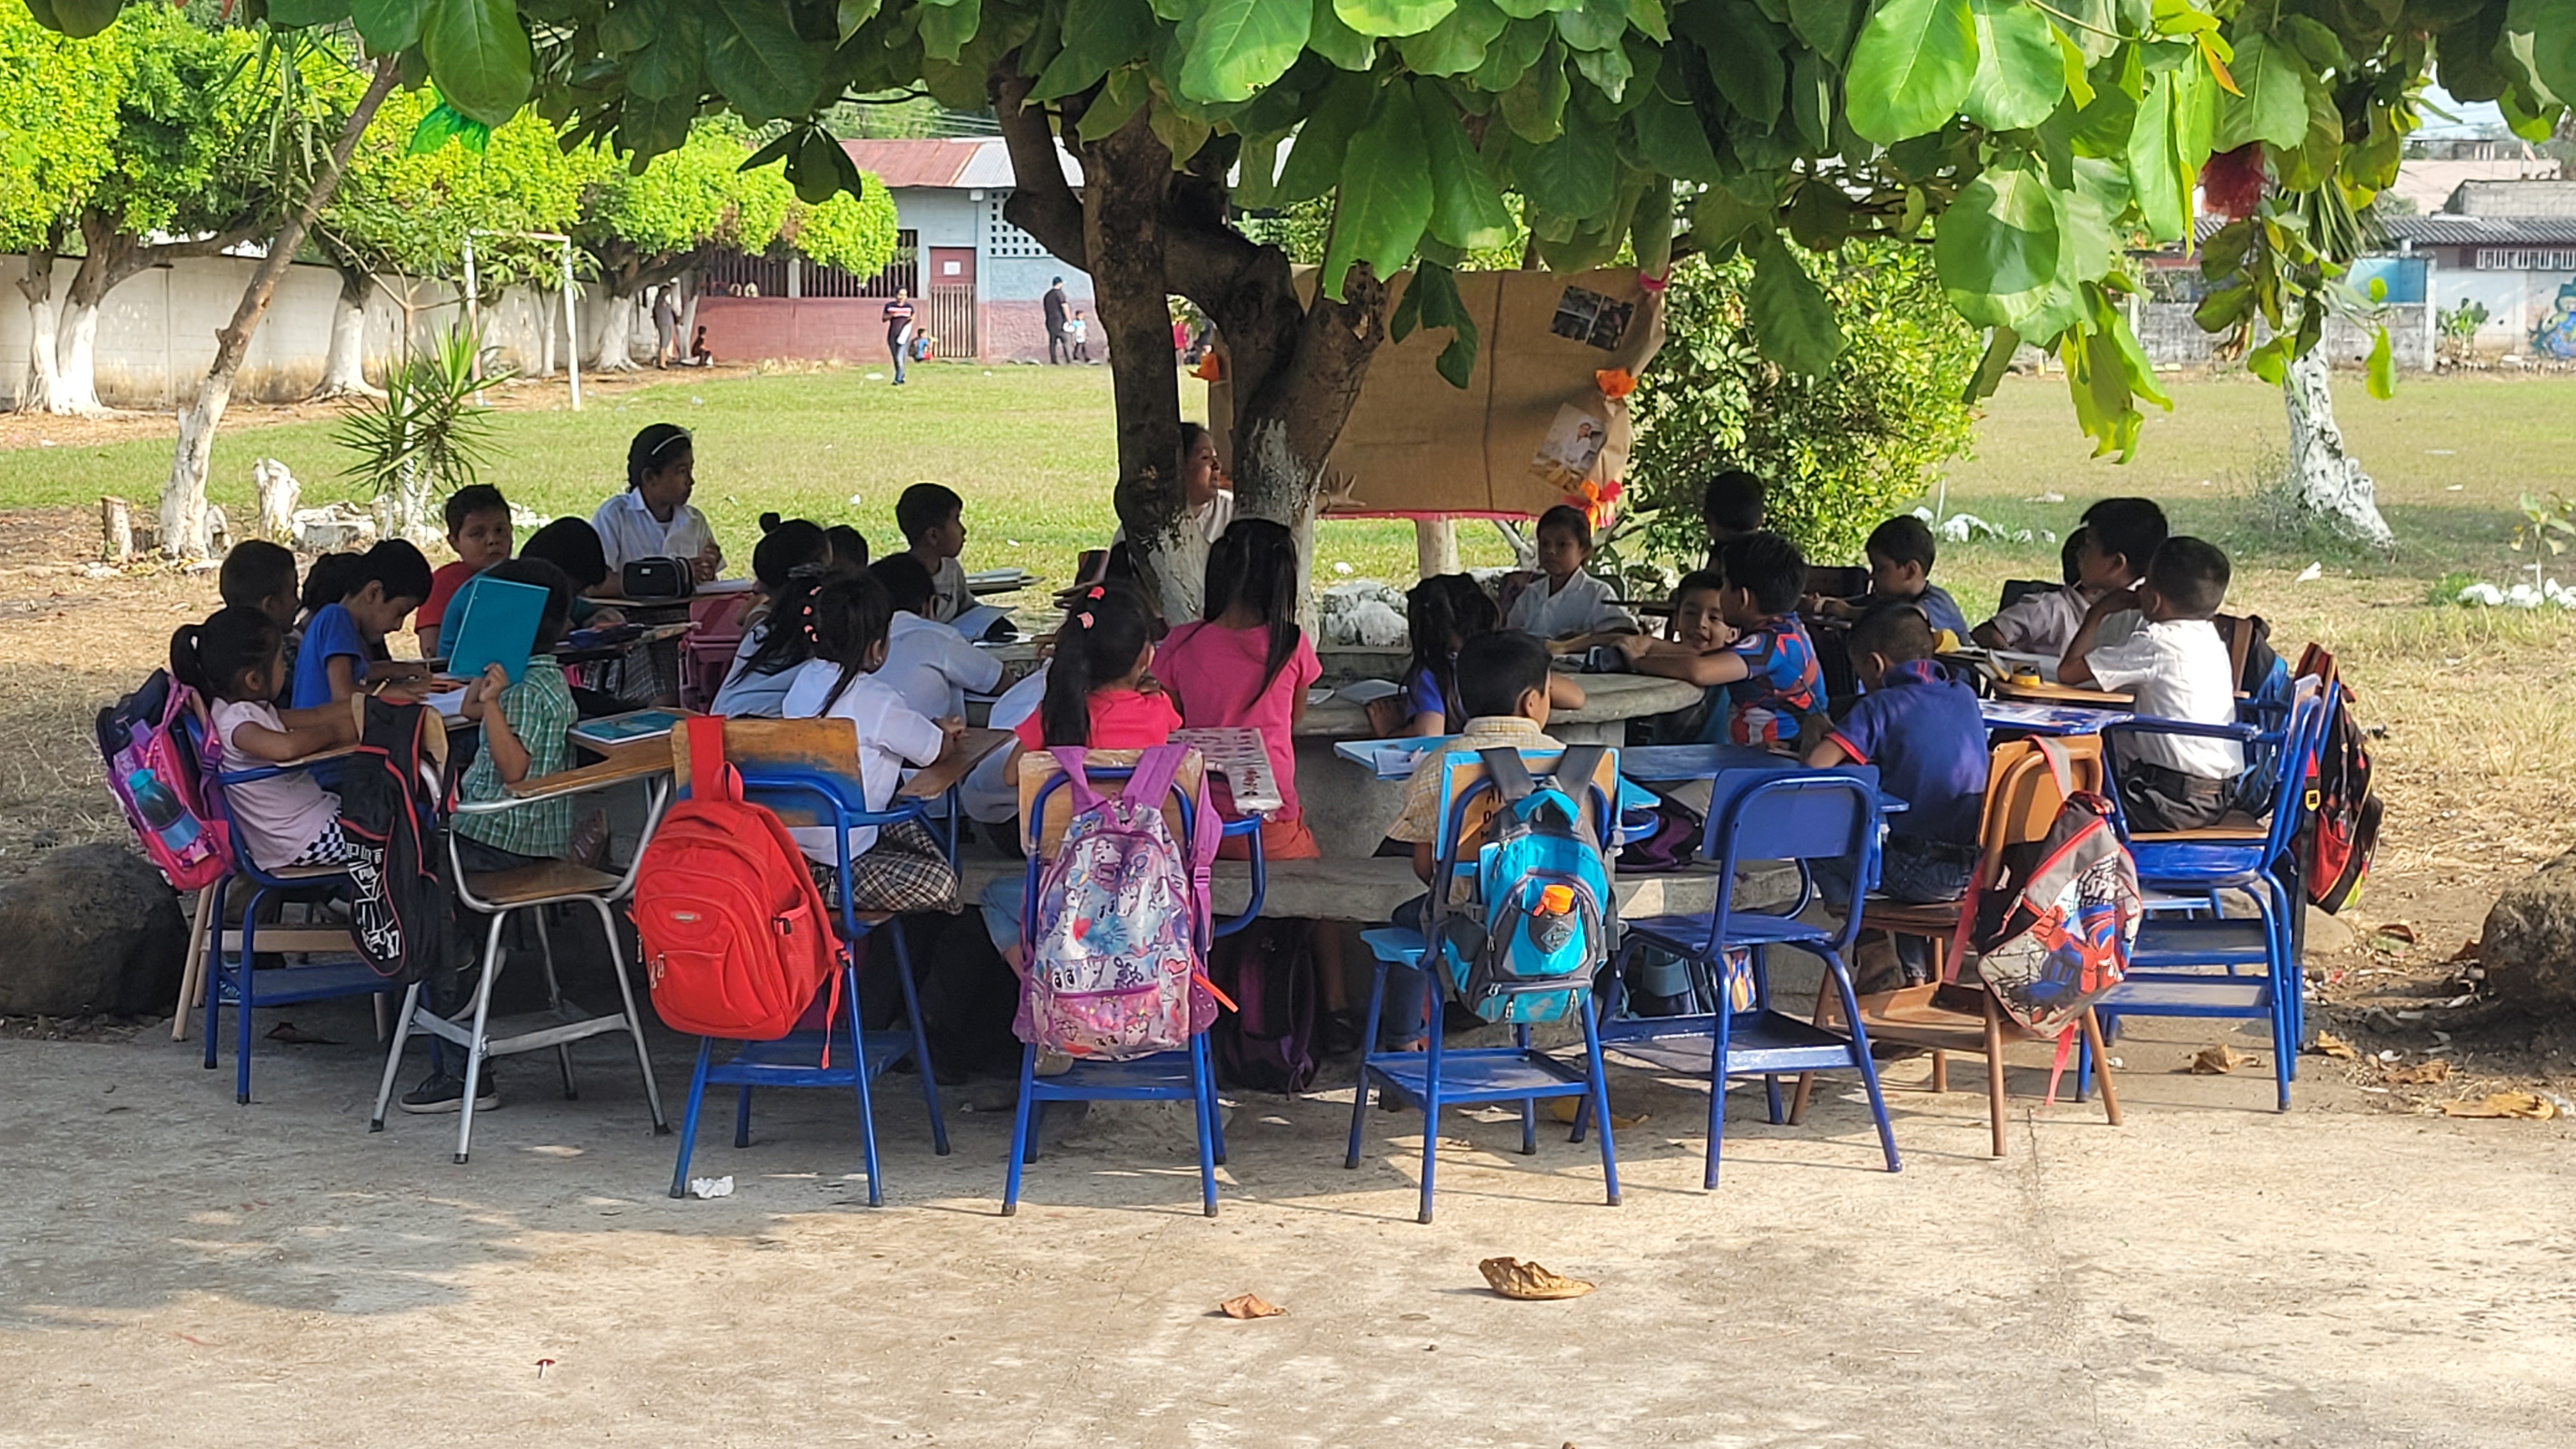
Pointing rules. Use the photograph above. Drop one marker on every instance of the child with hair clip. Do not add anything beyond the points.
(902, 867)
(232, 662)
(1099, 696)
(774, 648)
(1246, 663)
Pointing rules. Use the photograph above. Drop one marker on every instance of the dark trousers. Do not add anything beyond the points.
(2154, 798)
(1058, 350)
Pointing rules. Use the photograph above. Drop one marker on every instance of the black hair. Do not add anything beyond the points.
(1896, 629)
(1434, 610)
(254, 572)
(1903, 539)
(1768, 567)
(2190, 575)
(907, 582)
(1105, 629)
(572, 545)
(787, 630)
(785, 547)
(652, 450)
(328, 581)
(2070, 556)
(925, 506)
(396, 565)
(2133, 528)
(1733, 500)
(849, 546)
(1699, 581)
(558, 615)
(850, 615)
(211, 657)
(1569, 518)
(1255, 564)
(1190, 435)
(472, 499)
(1496, 669)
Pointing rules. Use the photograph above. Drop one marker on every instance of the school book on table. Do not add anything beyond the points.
(498, 625)
(627, 728)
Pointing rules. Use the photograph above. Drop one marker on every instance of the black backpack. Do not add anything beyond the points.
(389, 797)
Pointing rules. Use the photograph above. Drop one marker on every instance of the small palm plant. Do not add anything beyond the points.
(425, 437)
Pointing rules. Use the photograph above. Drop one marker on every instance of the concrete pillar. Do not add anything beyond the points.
(1435, 546)
(795, 275)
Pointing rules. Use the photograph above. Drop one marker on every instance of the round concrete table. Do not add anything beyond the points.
(1349, 809)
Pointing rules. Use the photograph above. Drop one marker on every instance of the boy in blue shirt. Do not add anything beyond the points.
(1766, 664)
(1927, 736)
(344, 643)
(1900, 571)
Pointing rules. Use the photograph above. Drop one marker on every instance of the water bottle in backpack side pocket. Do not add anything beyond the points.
(1551, 926)
(161, 810)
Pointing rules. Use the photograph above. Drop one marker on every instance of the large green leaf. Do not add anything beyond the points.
(1509, 55)
(2274, 106)
(1747, 55)
(1329, 36)
(1393, 17)
(947, 26)
(1671, 140)
(79, 19)
(756, 59)
(479, 56)
(1467, 210)
(1315, 157)
(1385, 199)
(1911, 68)
(2551, 24)
(1125, 93)
(1793, 322)
(389, 25)
(1235, 47)
(296, 14)
(1592, 25)
(2020, 74)
(1575, 175)
(673, 63)
(2155, 181)
(1999, 244)
(648, 127)
(1456, 45)
(1534, 108)
(1826, 25)
(1098, 35)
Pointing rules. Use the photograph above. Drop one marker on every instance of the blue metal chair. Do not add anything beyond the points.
(1787, 814)
(1439, 1077)
(235, 978)
(2191, 961)
(1162, 1077)
(807, 772)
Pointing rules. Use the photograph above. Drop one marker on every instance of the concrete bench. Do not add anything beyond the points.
(1368, 890)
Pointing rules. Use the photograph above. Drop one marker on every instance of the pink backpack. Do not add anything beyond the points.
(154, 775)
(1118, 940)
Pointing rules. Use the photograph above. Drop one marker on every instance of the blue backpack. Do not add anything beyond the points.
(1547, 914)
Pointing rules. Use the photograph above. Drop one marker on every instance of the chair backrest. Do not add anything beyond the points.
(2302, 736)
(1792, 814)
(1468, 799)
(2023, 795)
(1046, 808)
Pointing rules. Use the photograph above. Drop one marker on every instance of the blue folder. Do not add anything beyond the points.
(498, 625)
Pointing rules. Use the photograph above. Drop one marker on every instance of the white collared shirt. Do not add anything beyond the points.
(629, 531)
(933, 667)
(1584, 606)
(891, 735)
(2177, 669)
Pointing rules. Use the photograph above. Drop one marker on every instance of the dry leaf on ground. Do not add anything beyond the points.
(2398, 931)
(1249, 1305)
(2217, 1061)
(1513, 1278)
(2331, 1045)
(2468, 950)
(2529, 1105)
(1562, 1109)
(2422, 1074)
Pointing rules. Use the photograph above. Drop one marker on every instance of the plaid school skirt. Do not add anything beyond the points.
(906, 870)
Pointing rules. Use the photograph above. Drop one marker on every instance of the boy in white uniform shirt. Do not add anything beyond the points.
(1565, 605)
(2156, 643)
(929, 663)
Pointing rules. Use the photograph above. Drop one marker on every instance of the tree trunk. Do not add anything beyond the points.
(344, 371)
(183, 499)
(545, 330)
(75, 391)
(2331, 484)
(44, 329)
(1122, 236)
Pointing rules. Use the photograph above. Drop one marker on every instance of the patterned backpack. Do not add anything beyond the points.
(1119, 934)
(153, 773)
(2053, 934)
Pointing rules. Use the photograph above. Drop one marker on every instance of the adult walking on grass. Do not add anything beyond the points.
(898, 321)
(1055, 305)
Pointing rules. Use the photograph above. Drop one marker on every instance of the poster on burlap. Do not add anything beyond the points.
(1533, 423)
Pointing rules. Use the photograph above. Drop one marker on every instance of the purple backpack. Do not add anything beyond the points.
(1118, 934)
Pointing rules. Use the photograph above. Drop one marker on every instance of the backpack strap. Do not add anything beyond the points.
(2061, 765)
(1068, 758)
(1155, 771)
(1510, 773)
(708, 771)
(1575, 771)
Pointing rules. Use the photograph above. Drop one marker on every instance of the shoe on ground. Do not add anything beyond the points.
(445, 1092)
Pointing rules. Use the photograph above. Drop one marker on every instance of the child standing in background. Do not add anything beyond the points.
(933, 520)
(343, 641)
(902, 867)
(1566, 605)
(1246, 663)
(478, 528)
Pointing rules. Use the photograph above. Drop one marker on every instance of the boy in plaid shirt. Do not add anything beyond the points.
(524, 727)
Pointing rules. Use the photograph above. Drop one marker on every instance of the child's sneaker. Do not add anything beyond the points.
(445, 1092)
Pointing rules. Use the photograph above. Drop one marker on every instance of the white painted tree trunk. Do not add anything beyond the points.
(183, 498)
(344, 370)
(76, 363)
(279, 496)
(2330, 482)
(614, 352)
(545, 332)
(44, 332)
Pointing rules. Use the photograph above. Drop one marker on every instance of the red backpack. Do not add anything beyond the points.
(2342, 829)
(737, 942)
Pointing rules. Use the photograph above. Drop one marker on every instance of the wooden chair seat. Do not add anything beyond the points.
(545, 880)
(1938, 918)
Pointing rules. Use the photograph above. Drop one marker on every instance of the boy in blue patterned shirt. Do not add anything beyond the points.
(1766, 664)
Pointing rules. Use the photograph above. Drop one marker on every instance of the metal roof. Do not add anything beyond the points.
(946, 162)
(2446, 230)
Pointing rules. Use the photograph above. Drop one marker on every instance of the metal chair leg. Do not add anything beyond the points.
(634, 1018)
(1020, 1136)
(920, 1039)
(493, 955)
(867, 1106)
(1368, 1048)
(1860, 1059)
(245, 975)
(393, 1056)
(1431, 1112)
(689, 1118)
(1599, 1097)
(554, 999)
(1203, 1087)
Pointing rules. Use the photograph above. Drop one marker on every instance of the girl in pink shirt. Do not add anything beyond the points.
(1248, 664)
